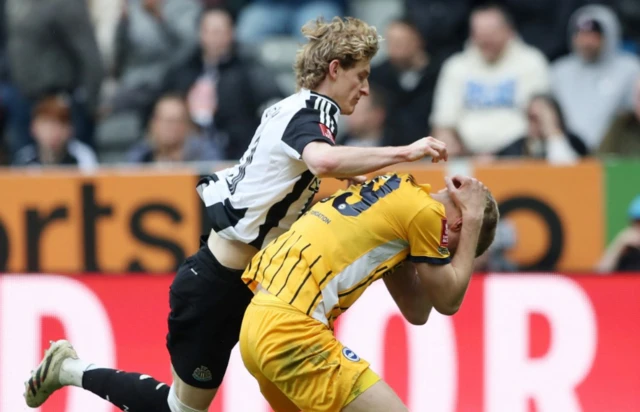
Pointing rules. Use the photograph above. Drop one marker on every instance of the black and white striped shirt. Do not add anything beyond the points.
(260, 198)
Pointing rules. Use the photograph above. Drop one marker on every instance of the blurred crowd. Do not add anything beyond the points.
(84, 82)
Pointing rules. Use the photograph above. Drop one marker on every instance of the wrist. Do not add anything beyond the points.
(401, 154)
(472, 218)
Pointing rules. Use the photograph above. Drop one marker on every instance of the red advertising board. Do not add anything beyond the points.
(520, 343)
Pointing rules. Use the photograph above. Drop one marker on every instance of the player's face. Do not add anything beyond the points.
(351, 85)
(454, 219)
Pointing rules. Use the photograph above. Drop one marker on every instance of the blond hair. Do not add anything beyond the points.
(348, 40)
(489, 224)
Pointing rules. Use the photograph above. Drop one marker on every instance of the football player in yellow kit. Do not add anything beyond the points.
(422, 244)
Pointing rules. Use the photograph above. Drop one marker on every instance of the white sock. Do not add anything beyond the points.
(175, 405)
(72, 370)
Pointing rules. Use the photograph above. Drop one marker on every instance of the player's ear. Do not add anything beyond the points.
(456, 225)
(334, 66)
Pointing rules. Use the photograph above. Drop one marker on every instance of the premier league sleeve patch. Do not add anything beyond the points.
(444, 234)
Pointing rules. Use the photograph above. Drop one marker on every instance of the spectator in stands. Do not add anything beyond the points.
(623, 254)
(152, 35)
(55, 144)
(264, 18)
(365, 126)
(408, 77)
(623, 138)
(482, 93)
(226, 93)
(171, 136)
(52, 48)
(596, 81)
(547, 135)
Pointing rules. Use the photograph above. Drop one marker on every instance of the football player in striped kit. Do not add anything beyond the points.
(249, 205)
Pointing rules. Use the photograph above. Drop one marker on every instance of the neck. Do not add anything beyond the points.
(450, 209)
(325, 89)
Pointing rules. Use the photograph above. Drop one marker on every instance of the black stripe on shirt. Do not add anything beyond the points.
(319, 293)
(283, 260)
(430, 260)
(291, 271)
(224, 215)
(304, 128)
(279, 210)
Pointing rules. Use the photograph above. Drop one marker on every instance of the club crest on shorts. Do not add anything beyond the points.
(202, 374)
(349, 354)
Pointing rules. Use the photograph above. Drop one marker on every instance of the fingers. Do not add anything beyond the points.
(359, 179)
(449, 183)
(435, 155)
(460, 180)
(439, 147)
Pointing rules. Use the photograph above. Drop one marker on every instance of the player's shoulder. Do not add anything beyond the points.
(301, 107)
(418, 192)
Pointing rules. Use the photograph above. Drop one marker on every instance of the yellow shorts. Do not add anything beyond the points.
(298, 362)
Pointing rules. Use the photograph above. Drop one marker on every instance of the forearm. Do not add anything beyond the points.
(463, 260)
(407, 291)
(346, 161)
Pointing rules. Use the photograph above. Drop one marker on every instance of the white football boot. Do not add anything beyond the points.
(45, 380)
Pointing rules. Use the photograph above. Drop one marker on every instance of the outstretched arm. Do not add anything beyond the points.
(325, 160)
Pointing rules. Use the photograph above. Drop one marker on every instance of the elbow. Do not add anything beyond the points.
(417, 320)
(448, 310)
(322, 166)
(416, 317)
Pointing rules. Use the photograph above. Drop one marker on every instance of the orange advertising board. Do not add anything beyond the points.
(137, 221)
(107, 222)
(557, 212)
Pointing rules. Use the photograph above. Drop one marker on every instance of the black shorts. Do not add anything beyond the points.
(207, 303)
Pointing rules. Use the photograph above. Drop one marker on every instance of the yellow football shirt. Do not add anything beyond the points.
(324, 263)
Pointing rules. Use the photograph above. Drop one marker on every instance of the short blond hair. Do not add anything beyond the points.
(489, 224)
(348, 40)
